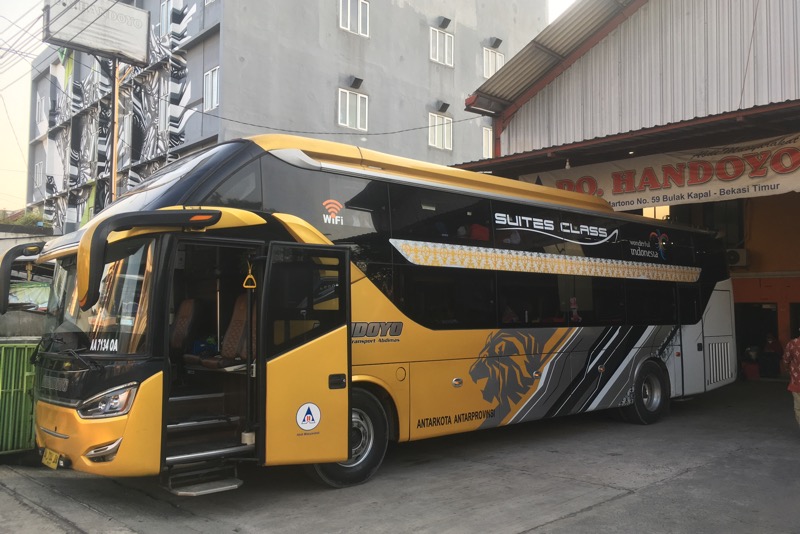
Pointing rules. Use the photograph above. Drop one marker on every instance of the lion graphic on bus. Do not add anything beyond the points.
(507, 379)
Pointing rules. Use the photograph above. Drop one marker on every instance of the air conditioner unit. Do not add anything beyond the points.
(737, 257)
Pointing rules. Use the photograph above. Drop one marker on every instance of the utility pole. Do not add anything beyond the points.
(115, 124)
(114, 130)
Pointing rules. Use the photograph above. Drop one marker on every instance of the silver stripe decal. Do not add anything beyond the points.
(53, 433)
(613, 380)
(545, 380)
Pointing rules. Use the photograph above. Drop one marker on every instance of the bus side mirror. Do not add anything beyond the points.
(92, 247)
(6, 263)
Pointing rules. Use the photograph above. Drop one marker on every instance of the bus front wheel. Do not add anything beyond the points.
(651, 394)
(369, 433)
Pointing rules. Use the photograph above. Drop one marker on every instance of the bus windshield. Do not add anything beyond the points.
(158, 183)
(117, 324)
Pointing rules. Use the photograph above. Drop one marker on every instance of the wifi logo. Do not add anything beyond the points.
(333, 207)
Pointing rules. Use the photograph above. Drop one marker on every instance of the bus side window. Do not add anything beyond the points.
(442, 298)
(609, 301)
(241, 190)
(650, 302)
(428, 215)
(527, 298)
(304, 304)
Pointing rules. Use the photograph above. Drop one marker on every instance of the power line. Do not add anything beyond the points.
(226, 119)
(267, 127)
(15, 22)
(235, 121)
(749, 49)
(13, 130)
(56, 50)
(34, 39)
(14, 43)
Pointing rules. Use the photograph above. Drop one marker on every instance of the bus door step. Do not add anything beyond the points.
(202, 480)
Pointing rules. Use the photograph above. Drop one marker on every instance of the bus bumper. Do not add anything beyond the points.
(128, 445)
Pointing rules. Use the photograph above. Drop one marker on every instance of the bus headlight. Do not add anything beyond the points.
(111, 403)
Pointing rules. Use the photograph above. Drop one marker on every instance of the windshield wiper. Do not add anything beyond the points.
(88, 362)
(44, 345)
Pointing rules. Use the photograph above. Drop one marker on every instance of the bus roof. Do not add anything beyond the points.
(370, 161)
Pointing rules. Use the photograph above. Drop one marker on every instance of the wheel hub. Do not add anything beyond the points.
(362, 437)
(651, 393)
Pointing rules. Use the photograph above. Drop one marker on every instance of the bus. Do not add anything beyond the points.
(278, 300)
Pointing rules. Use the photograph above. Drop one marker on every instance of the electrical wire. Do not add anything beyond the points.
(55, 51)
(217, 116)
(749, 50)
(33, 39)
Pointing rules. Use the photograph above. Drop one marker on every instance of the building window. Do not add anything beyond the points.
(38, 174)
(492, 61)
(488, 143)
(353, 109)
(211, 89)
(210, 1)
(354, 16)
(656, 212)
(441, 47)
(41, 109)
(164, 18)
(440, 131)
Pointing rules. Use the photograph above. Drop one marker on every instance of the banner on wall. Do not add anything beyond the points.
(757, 168)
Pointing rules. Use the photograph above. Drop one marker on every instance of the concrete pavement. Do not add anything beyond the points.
(727, 461)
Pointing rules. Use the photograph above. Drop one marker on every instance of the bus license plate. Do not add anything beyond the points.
(50, 459)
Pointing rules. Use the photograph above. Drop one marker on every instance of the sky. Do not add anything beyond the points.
(20, 31)
(556, 7)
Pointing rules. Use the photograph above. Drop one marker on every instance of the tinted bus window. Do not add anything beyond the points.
(531, 299)
(528, 228)
(445, 298)
(241, 190)
(648, 302)
(608, 298)
(428, 215)
(590, 236)
(689, 303)
(656, 244)
(348, 210)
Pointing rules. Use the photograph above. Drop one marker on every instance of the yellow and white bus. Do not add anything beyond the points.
(281, 300)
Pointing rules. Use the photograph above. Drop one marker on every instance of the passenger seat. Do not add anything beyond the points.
(234, 343)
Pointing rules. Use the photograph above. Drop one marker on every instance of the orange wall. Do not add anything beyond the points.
(772, 241)
(781, 291)
(772, 233)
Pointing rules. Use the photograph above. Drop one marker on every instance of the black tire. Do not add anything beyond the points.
(369, 436)
(651, 394)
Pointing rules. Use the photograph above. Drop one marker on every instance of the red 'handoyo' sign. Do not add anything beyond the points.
(758, 168)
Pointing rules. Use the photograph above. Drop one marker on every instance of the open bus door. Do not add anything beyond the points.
(305, 352)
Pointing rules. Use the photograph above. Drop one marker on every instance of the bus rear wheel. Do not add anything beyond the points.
(369, 436)
(650, 395)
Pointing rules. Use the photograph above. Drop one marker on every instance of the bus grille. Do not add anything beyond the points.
(720, 365)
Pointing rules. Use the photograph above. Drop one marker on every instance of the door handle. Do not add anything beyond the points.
(337, 381)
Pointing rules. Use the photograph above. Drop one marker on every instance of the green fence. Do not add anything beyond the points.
(16, 397)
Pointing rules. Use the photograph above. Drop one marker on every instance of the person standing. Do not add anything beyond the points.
(791, 357)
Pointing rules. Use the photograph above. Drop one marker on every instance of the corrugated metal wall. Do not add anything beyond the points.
(673, 60)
